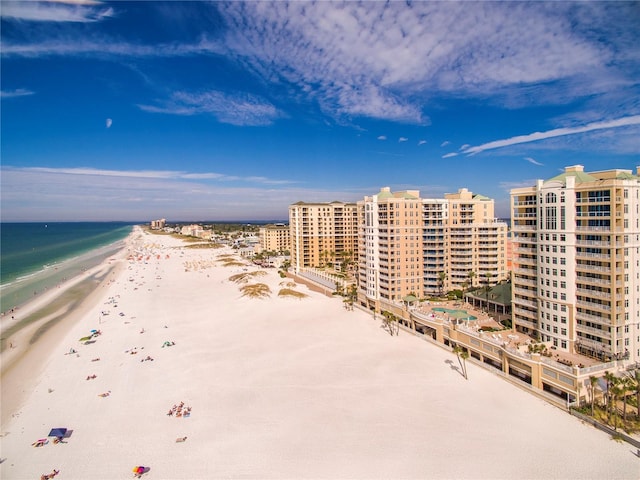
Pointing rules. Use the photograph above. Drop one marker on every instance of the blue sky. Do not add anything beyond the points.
(232, 111)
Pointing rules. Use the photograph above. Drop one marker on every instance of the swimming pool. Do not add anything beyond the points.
(459, 314)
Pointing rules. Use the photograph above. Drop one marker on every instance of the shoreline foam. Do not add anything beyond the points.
(279, 387)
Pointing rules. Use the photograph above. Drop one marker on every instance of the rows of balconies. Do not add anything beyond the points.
(589, 317)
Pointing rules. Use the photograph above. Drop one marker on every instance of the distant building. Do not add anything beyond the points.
(275, 238)
(158, 224)
(321, 232)
(576, 276)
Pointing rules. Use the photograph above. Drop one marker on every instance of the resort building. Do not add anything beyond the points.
(576, 275)
(420, 247)
(322, 234)
(275, 238)
(158, 224)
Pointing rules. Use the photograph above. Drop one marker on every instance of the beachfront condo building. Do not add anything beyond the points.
(576, 275)
(410, 245)
(275, 238)
(322, 234)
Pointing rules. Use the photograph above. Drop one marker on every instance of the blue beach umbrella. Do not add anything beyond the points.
(58, 432)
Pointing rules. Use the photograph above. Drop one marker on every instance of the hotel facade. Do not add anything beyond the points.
(576, 265)
(321, 232)
(275, 238)
(408, 245)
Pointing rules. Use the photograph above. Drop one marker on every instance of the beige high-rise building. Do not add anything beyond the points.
(321, 232)
(390, 246)
(275, 238)
(410, 245)
(576, 277)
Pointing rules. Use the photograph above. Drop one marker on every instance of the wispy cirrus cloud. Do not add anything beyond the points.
(50, 194)
(148, 174)
(19, 92)
(241, 109)
(533, 161)
(557, 132)
(385, 60)
(382, 137)
(421, 142)
(403, 139)
(81, 11)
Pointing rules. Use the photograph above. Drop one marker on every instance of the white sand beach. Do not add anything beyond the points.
(277, 387)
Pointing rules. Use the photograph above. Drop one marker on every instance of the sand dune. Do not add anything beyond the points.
(278, 387)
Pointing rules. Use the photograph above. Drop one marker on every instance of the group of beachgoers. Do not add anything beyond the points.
(179, 410)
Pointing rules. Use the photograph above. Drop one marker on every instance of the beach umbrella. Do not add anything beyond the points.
(57, 432)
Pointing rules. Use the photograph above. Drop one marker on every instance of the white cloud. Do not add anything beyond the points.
(148, 174)
(382, 137)
(558, 132)
(445, 143)
(19, 92)
(55, 11)
(48, 194)
(241, 109)
(449, 155)
(377, 60)
(108, 122)
(422, 142)
(403, 139)
(531, 160)
(465, 146)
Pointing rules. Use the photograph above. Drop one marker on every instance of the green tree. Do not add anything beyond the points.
(610, 378)
(471, 276)
(442, 276)
(635, 388)
(487, 287)
(593, 381)
(462, 355)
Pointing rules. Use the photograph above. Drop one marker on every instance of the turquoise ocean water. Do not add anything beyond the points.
(35, 257)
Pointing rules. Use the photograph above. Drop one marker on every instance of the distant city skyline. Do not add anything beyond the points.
(216, 111)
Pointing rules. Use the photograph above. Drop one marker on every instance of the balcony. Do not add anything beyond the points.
(522, 301)
(593, 331)
(525, 291)
(525, 323)
(522, 228)
(605, 257)
(593, 305)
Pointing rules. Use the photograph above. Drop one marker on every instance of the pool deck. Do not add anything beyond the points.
(508, 337)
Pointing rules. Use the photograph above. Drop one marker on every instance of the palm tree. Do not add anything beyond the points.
(471, 276)
(465, 285)
(616, 392)
(626, 386)
(464, 355)
(635, 387)
(442, 276)
(593, 381)
(610, 378)
(487, 287)
(460, 352)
